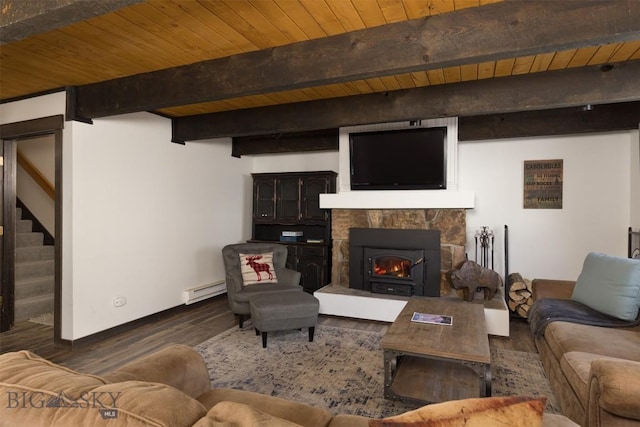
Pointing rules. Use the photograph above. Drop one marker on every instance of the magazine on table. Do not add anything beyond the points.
(436, 319)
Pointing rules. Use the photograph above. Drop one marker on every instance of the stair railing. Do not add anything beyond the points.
(37, 176)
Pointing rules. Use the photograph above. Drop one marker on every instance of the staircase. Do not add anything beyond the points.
(35, 269)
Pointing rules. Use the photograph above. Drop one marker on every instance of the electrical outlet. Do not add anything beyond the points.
(119, 301)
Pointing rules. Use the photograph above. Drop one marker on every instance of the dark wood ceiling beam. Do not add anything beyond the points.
(470, 36)
(557, 121)
(555, 89)
(522, 124)
(324, 139)
(20, 19)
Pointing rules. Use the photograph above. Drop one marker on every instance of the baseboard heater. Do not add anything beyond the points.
(205, 291)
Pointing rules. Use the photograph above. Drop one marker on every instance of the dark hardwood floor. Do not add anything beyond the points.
(188, 325)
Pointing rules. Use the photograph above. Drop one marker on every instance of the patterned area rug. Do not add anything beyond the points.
(341, 369)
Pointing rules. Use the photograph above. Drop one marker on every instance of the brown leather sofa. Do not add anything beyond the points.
(170, 388)
(594, 371)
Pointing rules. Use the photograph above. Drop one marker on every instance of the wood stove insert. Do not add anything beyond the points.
(397, 262)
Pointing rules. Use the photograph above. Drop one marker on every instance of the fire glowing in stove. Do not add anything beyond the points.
(392, 266)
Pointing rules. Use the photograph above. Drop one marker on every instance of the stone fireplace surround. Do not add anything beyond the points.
(450, 222)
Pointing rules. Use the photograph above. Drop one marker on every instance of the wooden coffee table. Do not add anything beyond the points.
(428, 363)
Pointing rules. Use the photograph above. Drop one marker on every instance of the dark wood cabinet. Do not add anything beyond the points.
(291, 202)
(312, 261)
(264, 202)
(288, 198)
(310, 192)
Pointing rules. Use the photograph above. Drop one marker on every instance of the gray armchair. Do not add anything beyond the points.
(238, 295)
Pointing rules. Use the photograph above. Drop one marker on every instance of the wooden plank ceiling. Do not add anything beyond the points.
(153, 35)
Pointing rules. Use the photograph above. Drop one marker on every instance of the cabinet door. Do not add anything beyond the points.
(264, 203)
(310, 190)
(292, 257)
(288, 198)
(312, 264)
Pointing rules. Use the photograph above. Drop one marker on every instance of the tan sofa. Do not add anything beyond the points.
(594, 371)
(171, 388)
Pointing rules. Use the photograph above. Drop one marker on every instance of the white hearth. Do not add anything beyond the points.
(358, 304)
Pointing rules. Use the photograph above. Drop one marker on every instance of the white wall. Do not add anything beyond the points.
(33, 108)
(150, 217)
(551, 243)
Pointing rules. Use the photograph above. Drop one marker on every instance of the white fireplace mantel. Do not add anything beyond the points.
(399, 199)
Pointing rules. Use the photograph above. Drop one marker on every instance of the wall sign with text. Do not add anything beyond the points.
(543, 184)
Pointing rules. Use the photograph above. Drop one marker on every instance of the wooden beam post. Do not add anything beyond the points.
(325, 139)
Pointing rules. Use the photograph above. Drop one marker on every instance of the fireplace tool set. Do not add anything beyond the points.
(484, 241)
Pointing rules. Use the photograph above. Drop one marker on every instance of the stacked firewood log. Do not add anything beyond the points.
(520, 296)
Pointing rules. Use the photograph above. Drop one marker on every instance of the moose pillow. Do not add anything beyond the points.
(257, 268)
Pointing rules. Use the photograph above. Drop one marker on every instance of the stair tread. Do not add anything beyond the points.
(37, 246)
(35, 268)
(28, 307)
(35, 262)
(24, 240)
(35, 280)
(38, 297)
(32, 269)
(24, 226)
(35, 253)
(34, 288)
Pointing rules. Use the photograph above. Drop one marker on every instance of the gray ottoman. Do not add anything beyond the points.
(280, 311)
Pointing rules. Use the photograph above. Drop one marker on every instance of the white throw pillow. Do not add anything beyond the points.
(257, 268)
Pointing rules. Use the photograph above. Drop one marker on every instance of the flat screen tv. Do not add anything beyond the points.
(409, 159)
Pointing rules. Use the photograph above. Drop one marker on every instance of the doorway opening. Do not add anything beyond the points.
(49, 128)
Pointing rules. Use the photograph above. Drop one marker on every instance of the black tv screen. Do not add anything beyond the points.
(411, 159)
